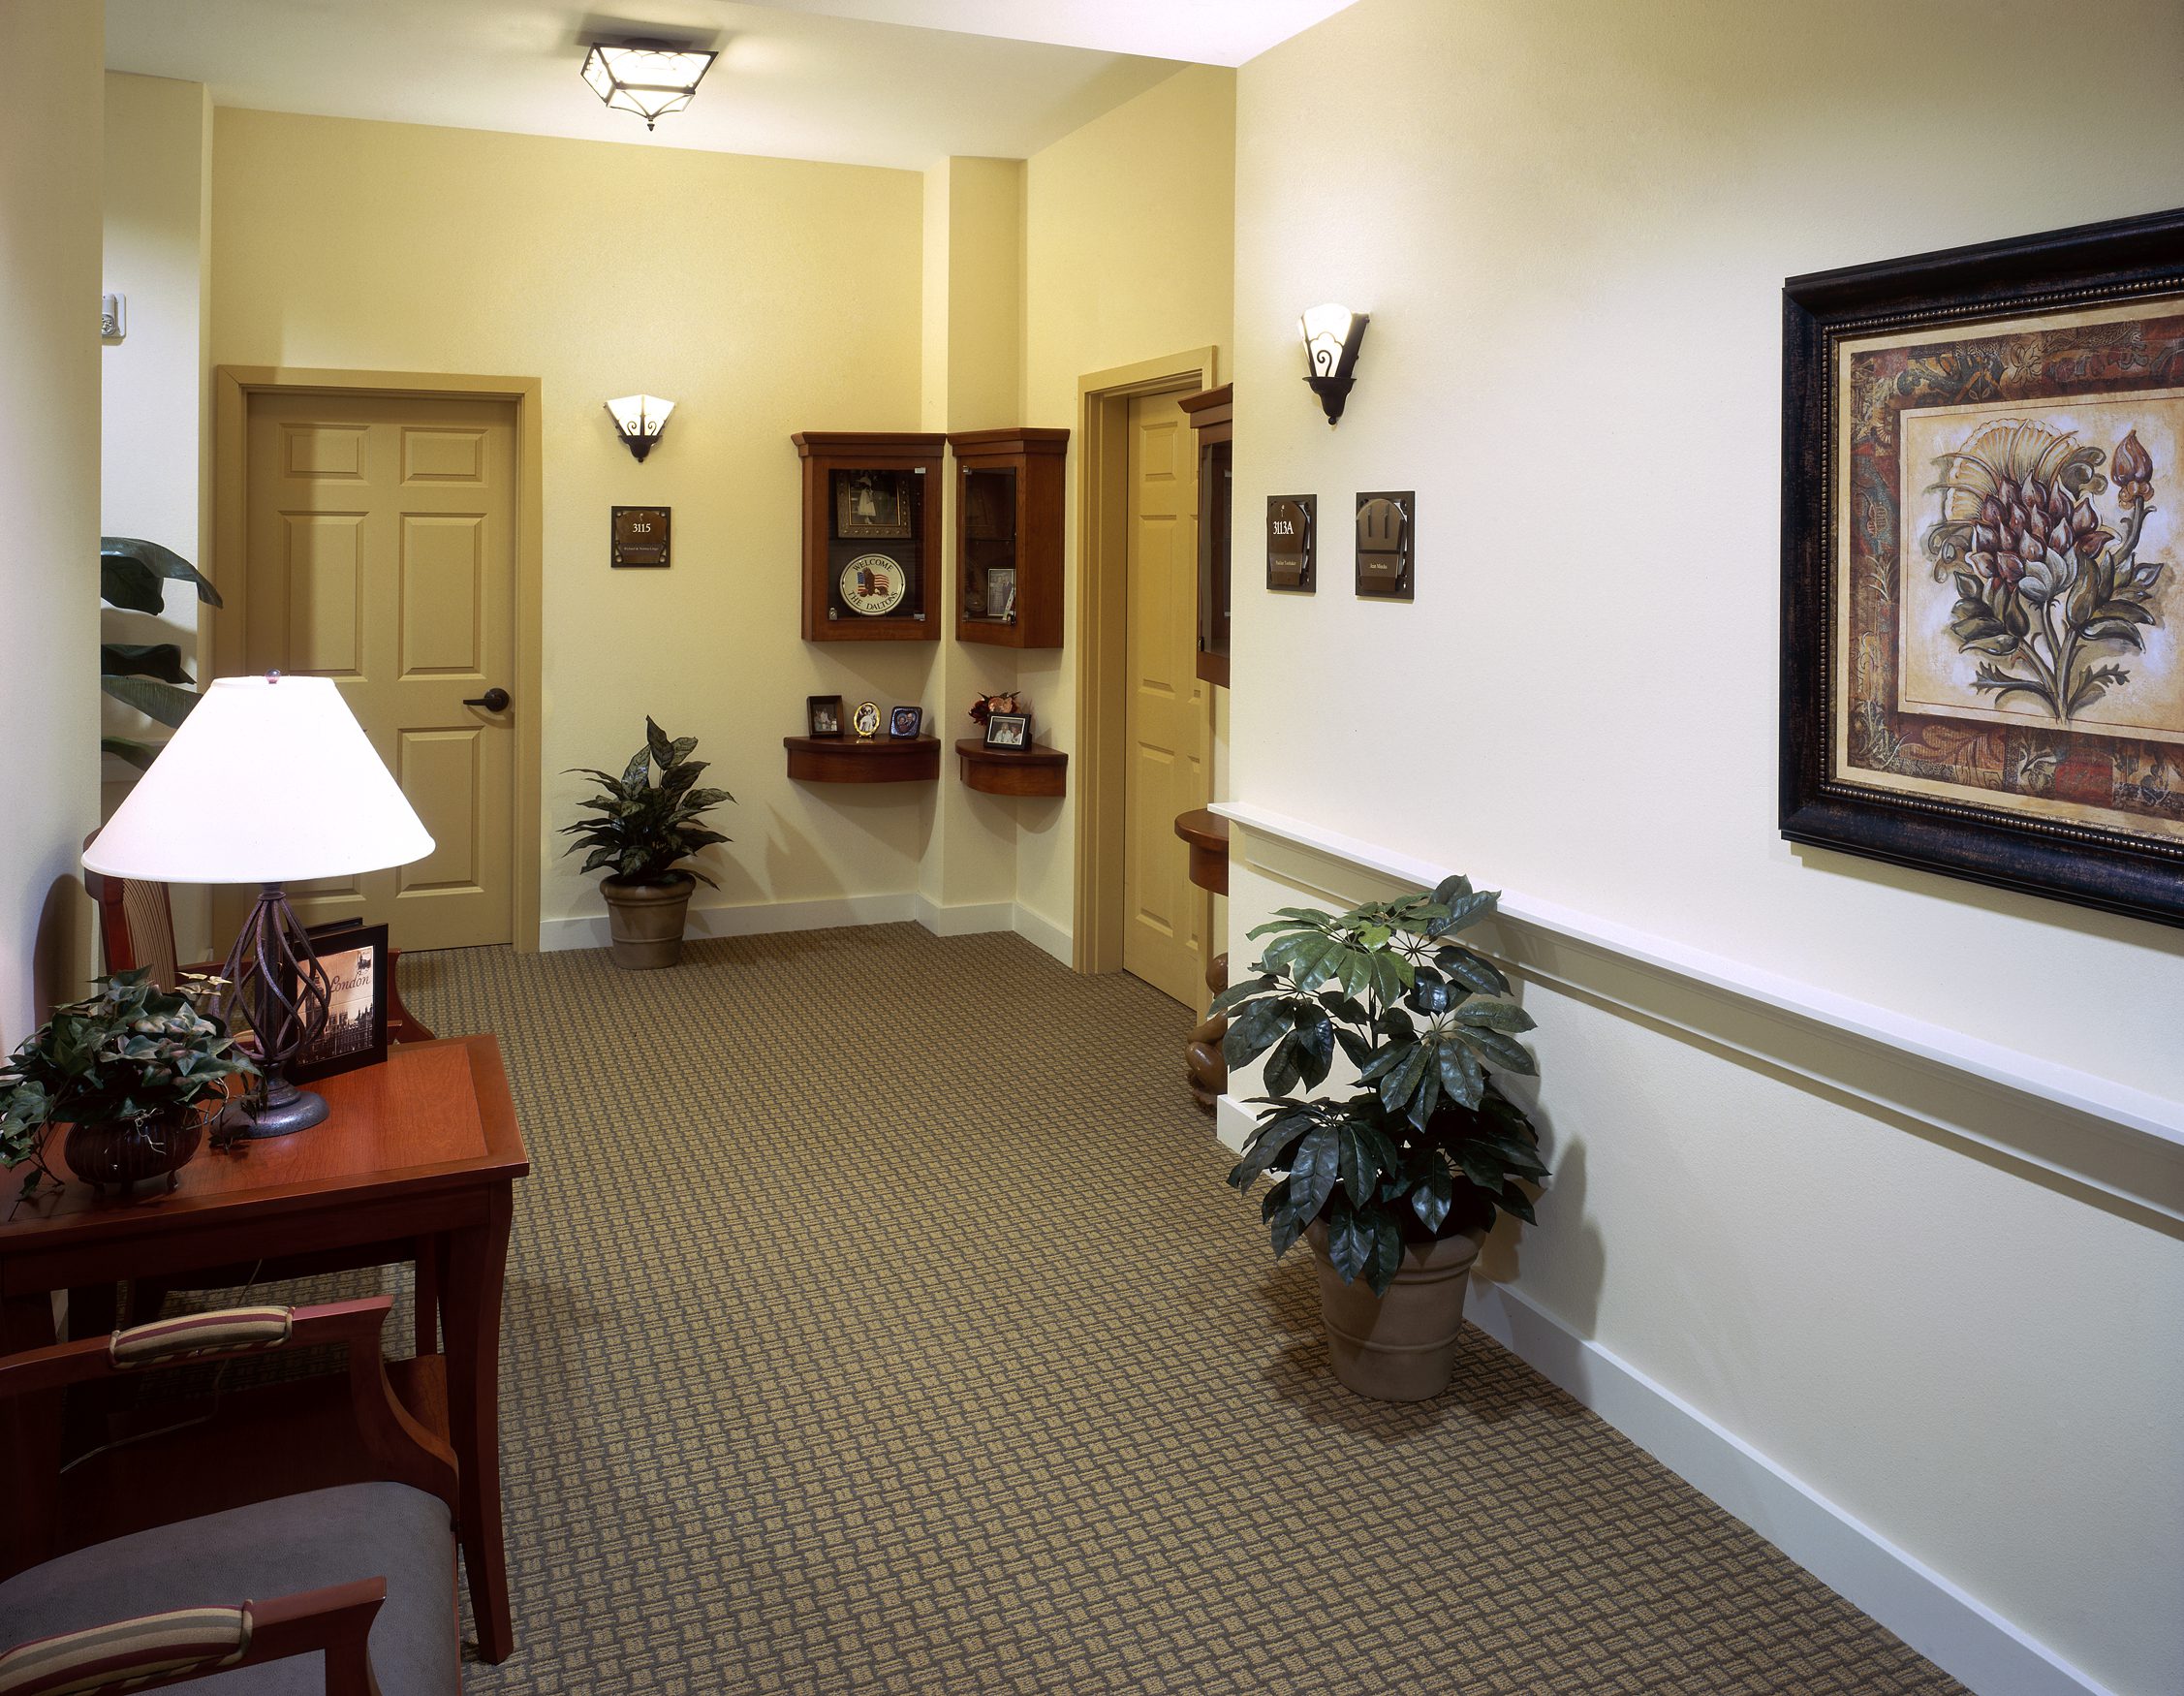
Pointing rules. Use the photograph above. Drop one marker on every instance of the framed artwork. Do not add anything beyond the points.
(823, 715)
(353, 956)
(906, 721)
(865, 721)
(1001, 592)
(1982, 628)
(1008, 730)
(872, 503)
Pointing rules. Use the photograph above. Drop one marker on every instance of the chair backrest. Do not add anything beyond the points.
(135, 924)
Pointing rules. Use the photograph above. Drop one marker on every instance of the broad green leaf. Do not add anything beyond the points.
(131, 572)
(1497, 1050)
(143, 659)
(1386, 1255)
(1504, 1015)
(1436, 1191)
(1402, 1081)
(1282, 1064)
(137, 754)
(1312, 1170)
(1475, 971)
(1253, 1031)
(1349, 1243)
(1359, 1160)
(1460, 1073)
(153, 699)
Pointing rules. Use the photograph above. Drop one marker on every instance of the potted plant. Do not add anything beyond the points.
(646, 826)
(135, 1072)
(1396, 1182)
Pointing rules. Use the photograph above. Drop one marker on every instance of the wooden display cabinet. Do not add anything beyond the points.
(872, 524)
(1212, 421)
(1009, 536)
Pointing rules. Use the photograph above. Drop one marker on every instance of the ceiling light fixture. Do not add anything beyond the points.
(1332, 335)
(651, 78)
(639, 420)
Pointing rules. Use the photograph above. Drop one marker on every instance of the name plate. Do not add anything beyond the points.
(640, 537)
(1290, 522)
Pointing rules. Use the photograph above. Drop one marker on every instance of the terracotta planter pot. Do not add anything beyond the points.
(644, 921)
(127, 1151)
(1400, 1346)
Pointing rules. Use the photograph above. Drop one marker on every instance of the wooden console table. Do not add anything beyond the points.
(418, 1162)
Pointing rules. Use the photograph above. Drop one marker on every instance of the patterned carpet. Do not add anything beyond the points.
(878, 1321)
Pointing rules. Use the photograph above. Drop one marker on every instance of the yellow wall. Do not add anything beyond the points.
(50, 185)
(155, 460)
(1570, 225)
(1128, 255)
(763, 296)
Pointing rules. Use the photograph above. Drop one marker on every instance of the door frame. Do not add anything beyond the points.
(233, 385)
(1101, 755)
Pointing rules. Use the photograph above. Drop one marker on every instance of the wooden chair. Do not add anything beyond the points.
(362, 1574)
(136, 929)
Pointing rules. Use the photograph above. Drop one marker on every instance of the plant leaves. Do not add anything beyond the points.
(1312, 1170)
(143, 659)
(1350, 1242)
(1504, 1015)
(153, 699)
(130, 573)
(137, 754)
(1496, 1049)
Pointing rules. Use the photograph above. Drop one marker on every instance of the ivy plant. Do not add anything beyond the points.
(1424, 1144)
(129, 1051)
(646, 826)
(148, 676)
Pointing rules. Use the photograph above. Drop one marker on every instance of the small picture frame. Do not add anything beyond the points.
(353, 956)
(1009, 730)
(1001, 594)
(867, 720)
(906, 721)
(871, 504)
(823, 715)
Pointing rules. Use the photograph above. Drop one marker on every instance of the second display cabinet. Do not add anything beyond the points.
(1009, 536)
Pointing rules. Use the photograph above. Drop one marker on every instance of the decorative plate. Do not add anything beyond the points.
(873, 584)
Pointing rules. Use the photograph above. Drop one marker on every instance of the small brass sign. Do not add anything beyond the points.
(640, 536)
(1291, 520)
(1385, 530)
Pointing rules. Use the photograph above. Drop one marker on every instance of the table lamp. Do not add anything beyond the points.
(271, 780)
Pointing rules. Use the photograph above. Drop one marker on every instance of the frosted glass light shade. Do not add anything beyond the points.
(1331, 334)
(638, 415)
(650, 81)
(269, 780)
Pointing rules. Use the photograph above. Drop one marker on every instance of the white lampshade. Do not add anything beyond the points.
(269, 780)
(1331, 333)
(638, 415)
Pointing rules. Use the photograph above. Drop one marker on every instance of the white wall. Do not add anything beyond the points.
(155, 464)
(49, 167)
(1571, 224)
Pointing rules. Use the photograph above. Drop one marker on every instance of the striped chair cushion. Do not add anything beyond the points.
(225, 1330)
(128, 1652)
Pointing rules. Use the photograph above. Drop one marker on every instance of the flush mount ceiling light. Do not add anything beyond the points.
(639, 420)
(1332, 337)
(651, 78)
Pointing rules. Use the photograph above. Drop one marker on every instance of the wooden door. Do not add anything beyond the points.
(381, 554)
(1167, 712)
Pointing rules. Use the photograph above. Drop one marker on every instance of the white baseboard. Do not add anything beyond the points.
(766, 918)
(1961, 1635)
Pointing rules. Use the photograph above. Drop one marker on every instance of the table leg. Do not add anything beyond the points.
(430, 1277)
(30, 1439)
(470, 1296)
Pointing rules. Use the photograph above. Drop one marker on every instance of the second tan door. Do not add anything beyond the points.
(382, 536)
(1169, 717)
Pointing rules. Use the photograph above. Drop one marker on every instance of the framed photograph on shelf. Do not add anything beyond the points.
(906, 721)
(1009, 730)
(823, 715)
(872, 504)
(1982, 627)
(865, 720)
(355, 958)
(1001, 592)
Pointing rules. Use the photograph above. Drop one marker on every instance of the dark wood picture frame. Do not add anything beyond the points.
(1982, 360)
(1022, 723)
(338, 1050)
(817, 705)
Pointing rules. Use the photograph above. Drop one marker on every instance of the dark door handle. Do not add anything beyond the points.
(492, 700)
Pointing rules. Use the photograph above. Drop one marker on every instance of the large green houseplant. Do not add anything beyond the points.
(1396, 1179)
(646, 826)
(136, 1072)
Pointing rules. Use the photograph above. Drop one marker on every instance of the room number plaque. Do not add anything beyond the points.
(640, 536)
(1290, 543)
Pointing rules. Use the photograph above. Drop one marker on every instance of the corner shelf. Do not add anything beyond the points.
(846, 760)
(1032, 770)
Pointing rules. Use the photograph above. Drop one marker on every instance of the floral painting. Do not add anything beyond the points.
(1984, 517)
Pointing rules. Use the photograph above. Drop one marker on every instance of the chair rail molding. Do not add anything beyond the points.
(2119, 1145)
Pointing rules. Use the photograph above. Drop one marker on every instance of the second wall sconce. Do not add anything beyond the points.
(639, 420)
(1332, 337)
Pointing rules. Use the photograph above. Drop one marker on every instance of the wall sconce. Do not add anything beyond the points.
(639, 420)
(651, 78)
(1332, 336)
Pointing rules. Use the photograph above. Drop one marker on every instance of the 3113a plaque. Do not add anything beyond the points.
(1290, 546)
(640, 537)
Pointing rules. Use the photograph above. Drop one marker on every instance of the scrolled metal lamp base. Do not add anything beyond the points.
(278, 988)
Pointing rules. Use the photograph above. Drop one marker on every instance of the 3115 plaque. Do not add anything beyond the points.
(640, 536)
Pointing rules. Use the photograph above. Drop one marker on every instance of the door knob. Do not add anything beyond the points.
(492, 700)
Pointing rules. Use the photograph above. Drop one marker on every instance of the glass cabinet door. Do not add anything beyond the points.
(989, 543)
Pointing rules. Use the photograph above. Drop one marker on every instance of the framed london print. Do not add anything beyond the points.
(354, 955)
(1982, 627)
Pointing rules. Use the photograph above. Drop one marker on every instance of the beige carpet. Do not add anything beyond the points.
(878, 1321)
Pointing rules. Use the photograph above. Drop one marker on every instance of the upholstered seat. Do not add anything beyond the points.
(271, 1549)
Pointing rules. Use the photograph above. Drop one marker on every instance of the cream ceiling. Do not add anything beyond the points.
(899, 82)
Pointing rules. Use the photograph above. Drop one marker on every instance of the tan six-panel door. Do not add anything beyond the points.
(1167, 720)
(382, 543)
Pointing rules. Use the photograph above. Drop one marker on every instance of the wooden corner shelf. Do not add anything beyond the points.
(847, 760)
(1206, 833)
(1032, 770)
